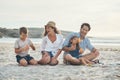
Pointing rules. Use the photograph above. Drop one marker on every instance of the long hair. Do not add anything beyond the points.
(55, 30)
(77, 45)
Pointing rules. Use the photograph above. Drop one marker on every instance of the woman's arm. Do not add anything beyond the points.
(58, 53)
(43, 44)
(32, 46)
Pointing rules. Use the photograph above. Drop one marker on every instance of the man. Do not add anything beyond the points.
(84, 44)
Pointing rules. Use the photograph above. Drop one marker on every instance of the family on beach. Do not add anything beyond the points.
(53, 44)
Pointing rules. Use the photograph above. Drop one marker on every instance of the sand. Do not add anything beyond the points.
(109, 69)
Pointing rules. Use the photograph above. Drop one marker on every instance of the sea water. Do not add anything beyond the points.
(94, 41)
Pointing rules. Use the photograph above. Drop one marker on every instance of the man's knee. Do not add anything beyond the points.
(97, 53)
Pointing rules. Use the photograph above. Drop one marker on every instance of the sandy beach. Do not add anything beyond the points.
(109, 69)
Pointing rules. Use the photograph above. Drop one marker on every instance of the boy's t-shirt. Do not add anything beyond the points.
(20, 44)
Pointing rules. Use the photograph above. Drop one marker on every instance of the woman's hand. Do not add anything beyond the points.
(54, 60)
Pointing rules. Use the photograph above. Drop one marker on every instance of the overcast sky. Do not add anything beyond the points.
(103, 15)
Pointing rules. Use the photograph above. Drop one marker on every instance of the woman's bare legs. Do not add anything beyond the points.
(45, 59)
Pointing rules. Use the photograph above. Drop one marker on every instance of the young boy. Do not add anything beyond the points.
(22, 47)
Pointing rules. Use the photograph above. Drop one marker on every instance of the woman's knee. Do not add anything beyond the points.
(45, 60)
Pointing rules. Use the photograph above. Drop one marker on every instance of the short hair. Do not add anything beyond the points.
(86, 24)
(23, 30)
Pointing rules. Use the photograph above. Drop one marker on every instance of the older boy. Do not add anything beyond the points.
(22, 47)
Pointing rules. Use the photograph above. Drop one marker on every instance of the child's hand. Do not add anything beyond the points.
(79, 40)
(72, 48)
(26, 48)
(81, 50)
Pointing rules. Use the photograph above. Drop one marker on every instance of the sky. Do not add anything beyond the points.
(102, 15)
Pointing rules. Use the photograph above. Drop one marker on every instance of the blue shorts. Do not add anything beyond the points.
(78, 56)
(50, 53)
(27, 58)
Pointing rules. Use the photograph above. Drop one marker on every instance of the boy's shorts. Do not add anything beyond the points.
(27, 58)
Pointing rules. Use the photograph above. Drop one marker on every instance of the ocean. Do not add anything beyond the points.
(94, 41)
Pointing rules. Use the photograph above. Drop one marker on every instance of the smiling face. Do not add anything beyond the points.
(84, 30)
(49, 29)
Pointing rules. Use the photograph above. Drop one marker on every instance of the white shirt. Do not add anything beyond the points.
(47, 45)
(20, 44)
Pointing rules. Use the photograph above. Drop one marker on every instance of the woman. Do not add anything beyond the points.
(51, 44)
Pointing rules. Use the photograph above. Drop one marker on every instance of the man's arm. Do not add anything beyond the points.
(95, 50)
